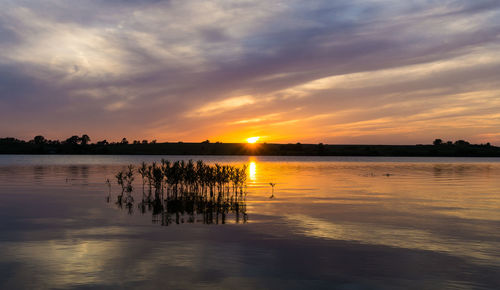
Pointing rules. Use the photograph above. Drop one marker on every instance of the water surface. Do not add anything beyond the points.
(333, 222)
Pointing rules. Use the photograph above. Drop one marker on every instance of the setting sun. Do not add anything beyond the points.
(252, 139)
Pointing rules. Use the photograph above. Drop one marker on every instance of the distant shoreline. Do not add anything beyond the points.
(260, 149)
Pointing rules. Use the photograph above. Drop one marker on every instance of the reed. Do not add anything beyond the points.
(187, 191)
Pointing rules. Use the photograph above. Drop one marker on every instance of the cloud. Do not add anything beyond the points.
(196, 70)
(224, 105)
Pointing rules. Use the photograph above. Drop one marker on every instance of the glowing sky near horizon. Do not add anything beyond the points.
(361, 71)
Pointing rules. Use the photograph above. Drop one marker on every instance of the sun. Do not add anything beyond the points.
(252, 139)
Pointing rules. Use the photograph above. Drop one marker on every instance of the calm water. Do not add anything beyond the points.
(334, 223)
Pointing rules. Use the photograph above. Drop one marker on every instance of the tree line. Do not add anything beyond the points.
(73, 140)
(85, 140)
(438, 142)
(82, 145)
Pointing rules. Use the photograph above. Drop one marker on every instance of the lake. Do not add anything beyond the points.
(331, 223)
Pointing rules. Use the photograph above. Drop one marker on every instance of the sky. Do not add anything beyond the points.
(336, 72)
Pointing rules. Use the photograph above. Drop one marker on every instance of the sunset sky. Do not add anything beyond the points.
(349, 72)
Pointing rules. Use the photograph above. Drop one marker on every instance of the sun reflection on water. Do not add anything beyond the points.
(252, 170)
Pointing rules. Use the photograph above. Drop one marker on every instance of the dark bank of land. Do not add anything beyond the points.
(82, 145)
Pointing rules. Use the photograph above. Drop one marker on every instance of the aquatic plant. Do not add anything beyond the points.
(125, 178)
(272, 189)
(108, 183)
(143, 172)
(194, 189)
(129, 178)
(181, 177)
(119, 179)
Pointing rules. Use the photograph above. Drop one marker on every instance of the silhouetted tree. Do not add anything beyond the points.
(461, 142)
(124, 141)
(144, 141)
(39, 139)
(103, 142)
(437, 142)
(73, 140)
(85, 139)
(10, 140)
